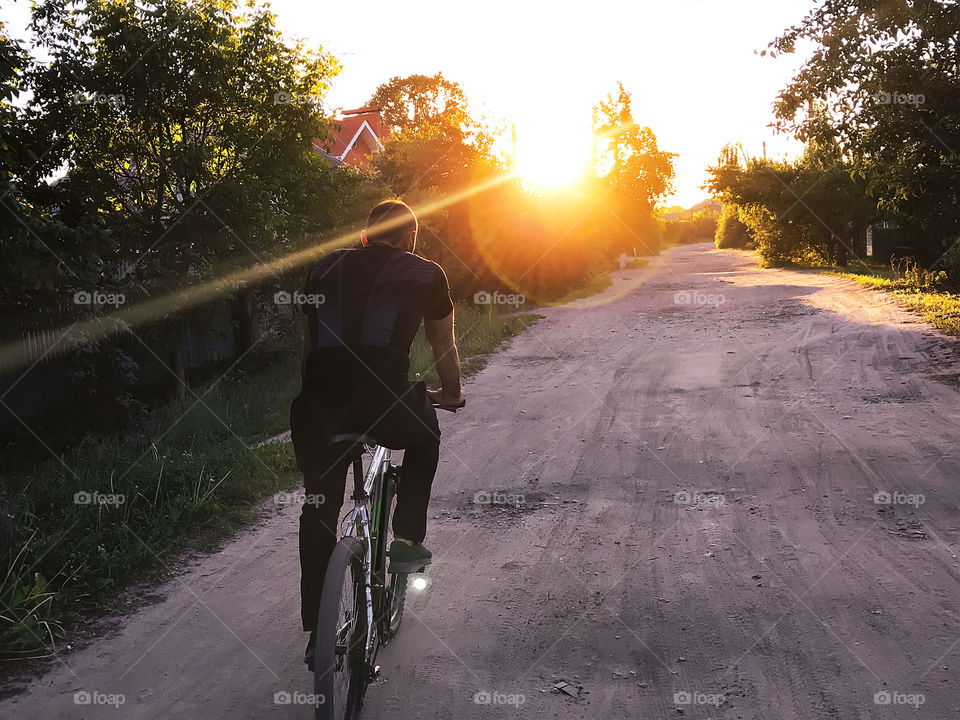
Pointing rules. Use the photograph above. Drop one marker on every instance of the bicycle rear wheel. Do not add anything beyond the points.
(390, 606)
(340, 659)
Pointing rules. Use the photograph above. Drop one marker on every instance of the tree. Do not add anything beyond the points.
(40, 252)
(434, 141)
(883, 86)
(189, 123)
(627, 154)
(632, 173)
(792, 209)
(417, 102)
(435, 153)
(186, 128)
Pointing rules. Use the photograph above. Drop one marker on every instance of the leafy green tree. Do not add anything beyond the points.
(883, 85)
(40, 253)
(185, 129)
(187, 123)
(793, 209)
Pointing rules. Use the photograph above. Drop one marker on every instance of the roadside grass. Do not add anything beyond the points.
(942, 310)
(916, 290)
(78, 528)
(480, 329)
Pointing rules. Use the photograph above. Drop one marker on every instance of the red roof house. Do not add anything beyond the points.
(356, 139)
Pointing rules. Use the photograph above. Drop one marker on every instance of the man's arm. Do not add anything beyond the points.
(439, 334)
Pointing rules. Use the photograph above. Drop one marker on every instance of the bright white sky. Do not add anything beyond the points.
(689, 64)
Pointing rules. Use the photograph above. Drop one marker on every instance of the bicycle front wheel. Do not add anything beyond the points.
(340, 659)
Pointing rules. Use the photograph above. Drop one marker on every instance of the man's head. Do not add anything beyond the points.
(393, 223)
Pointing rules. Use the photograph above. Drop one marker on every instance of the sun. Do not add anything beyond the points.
(551, 159)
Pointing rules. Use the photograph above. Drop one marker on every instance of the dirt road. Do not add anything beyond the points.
(734, 492)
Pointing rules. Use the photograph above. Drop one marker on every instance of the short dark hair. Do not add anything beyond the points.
(390, 221)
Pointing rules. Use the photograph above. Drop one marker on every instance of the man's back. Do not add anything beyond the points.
(368, 306)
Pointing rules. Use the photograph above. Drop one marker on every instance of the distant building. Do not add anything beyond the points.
(355, 137)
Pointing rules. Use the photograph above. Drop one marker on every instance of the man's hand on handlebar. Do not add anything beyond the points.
(445, 401)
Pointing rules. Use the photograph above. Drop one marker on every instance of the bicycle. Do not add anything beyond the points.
(360, 607)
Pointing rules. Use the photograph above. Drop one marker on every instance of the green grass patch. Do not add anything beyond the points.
(942, 310)
(82, 526)
(480, 329)
(78, 528)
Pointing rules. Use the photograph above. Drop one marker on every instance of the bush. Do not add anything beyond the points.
(950, 264)
(913, 277)
(777, 243)
(731, 232)
(691, 228)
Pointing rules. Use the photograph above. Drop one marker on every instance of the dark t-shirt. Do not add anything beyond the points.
(364, 307)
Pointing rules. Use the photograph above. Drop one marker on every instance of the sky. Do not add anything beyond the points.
(690, 65)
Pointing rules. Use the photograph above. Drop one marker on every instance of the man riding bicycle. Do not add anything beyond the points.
(362, 308)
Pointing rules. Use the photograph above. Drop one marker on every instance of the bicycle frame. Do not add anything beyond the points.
(358, 523)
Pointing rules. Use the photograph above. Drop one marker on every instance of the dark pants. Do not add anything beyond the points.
(402, 419)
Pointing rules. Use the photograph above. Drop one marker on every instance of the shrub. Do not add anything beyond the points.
(950, 264)
(731, 232)
(913, 277)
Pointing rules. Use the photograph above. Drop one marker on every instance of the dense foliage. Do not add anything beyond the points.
(877, 104)
(484, 225)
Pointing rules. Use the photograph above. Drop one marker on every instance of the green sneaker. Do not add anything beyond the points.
(405, 559)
